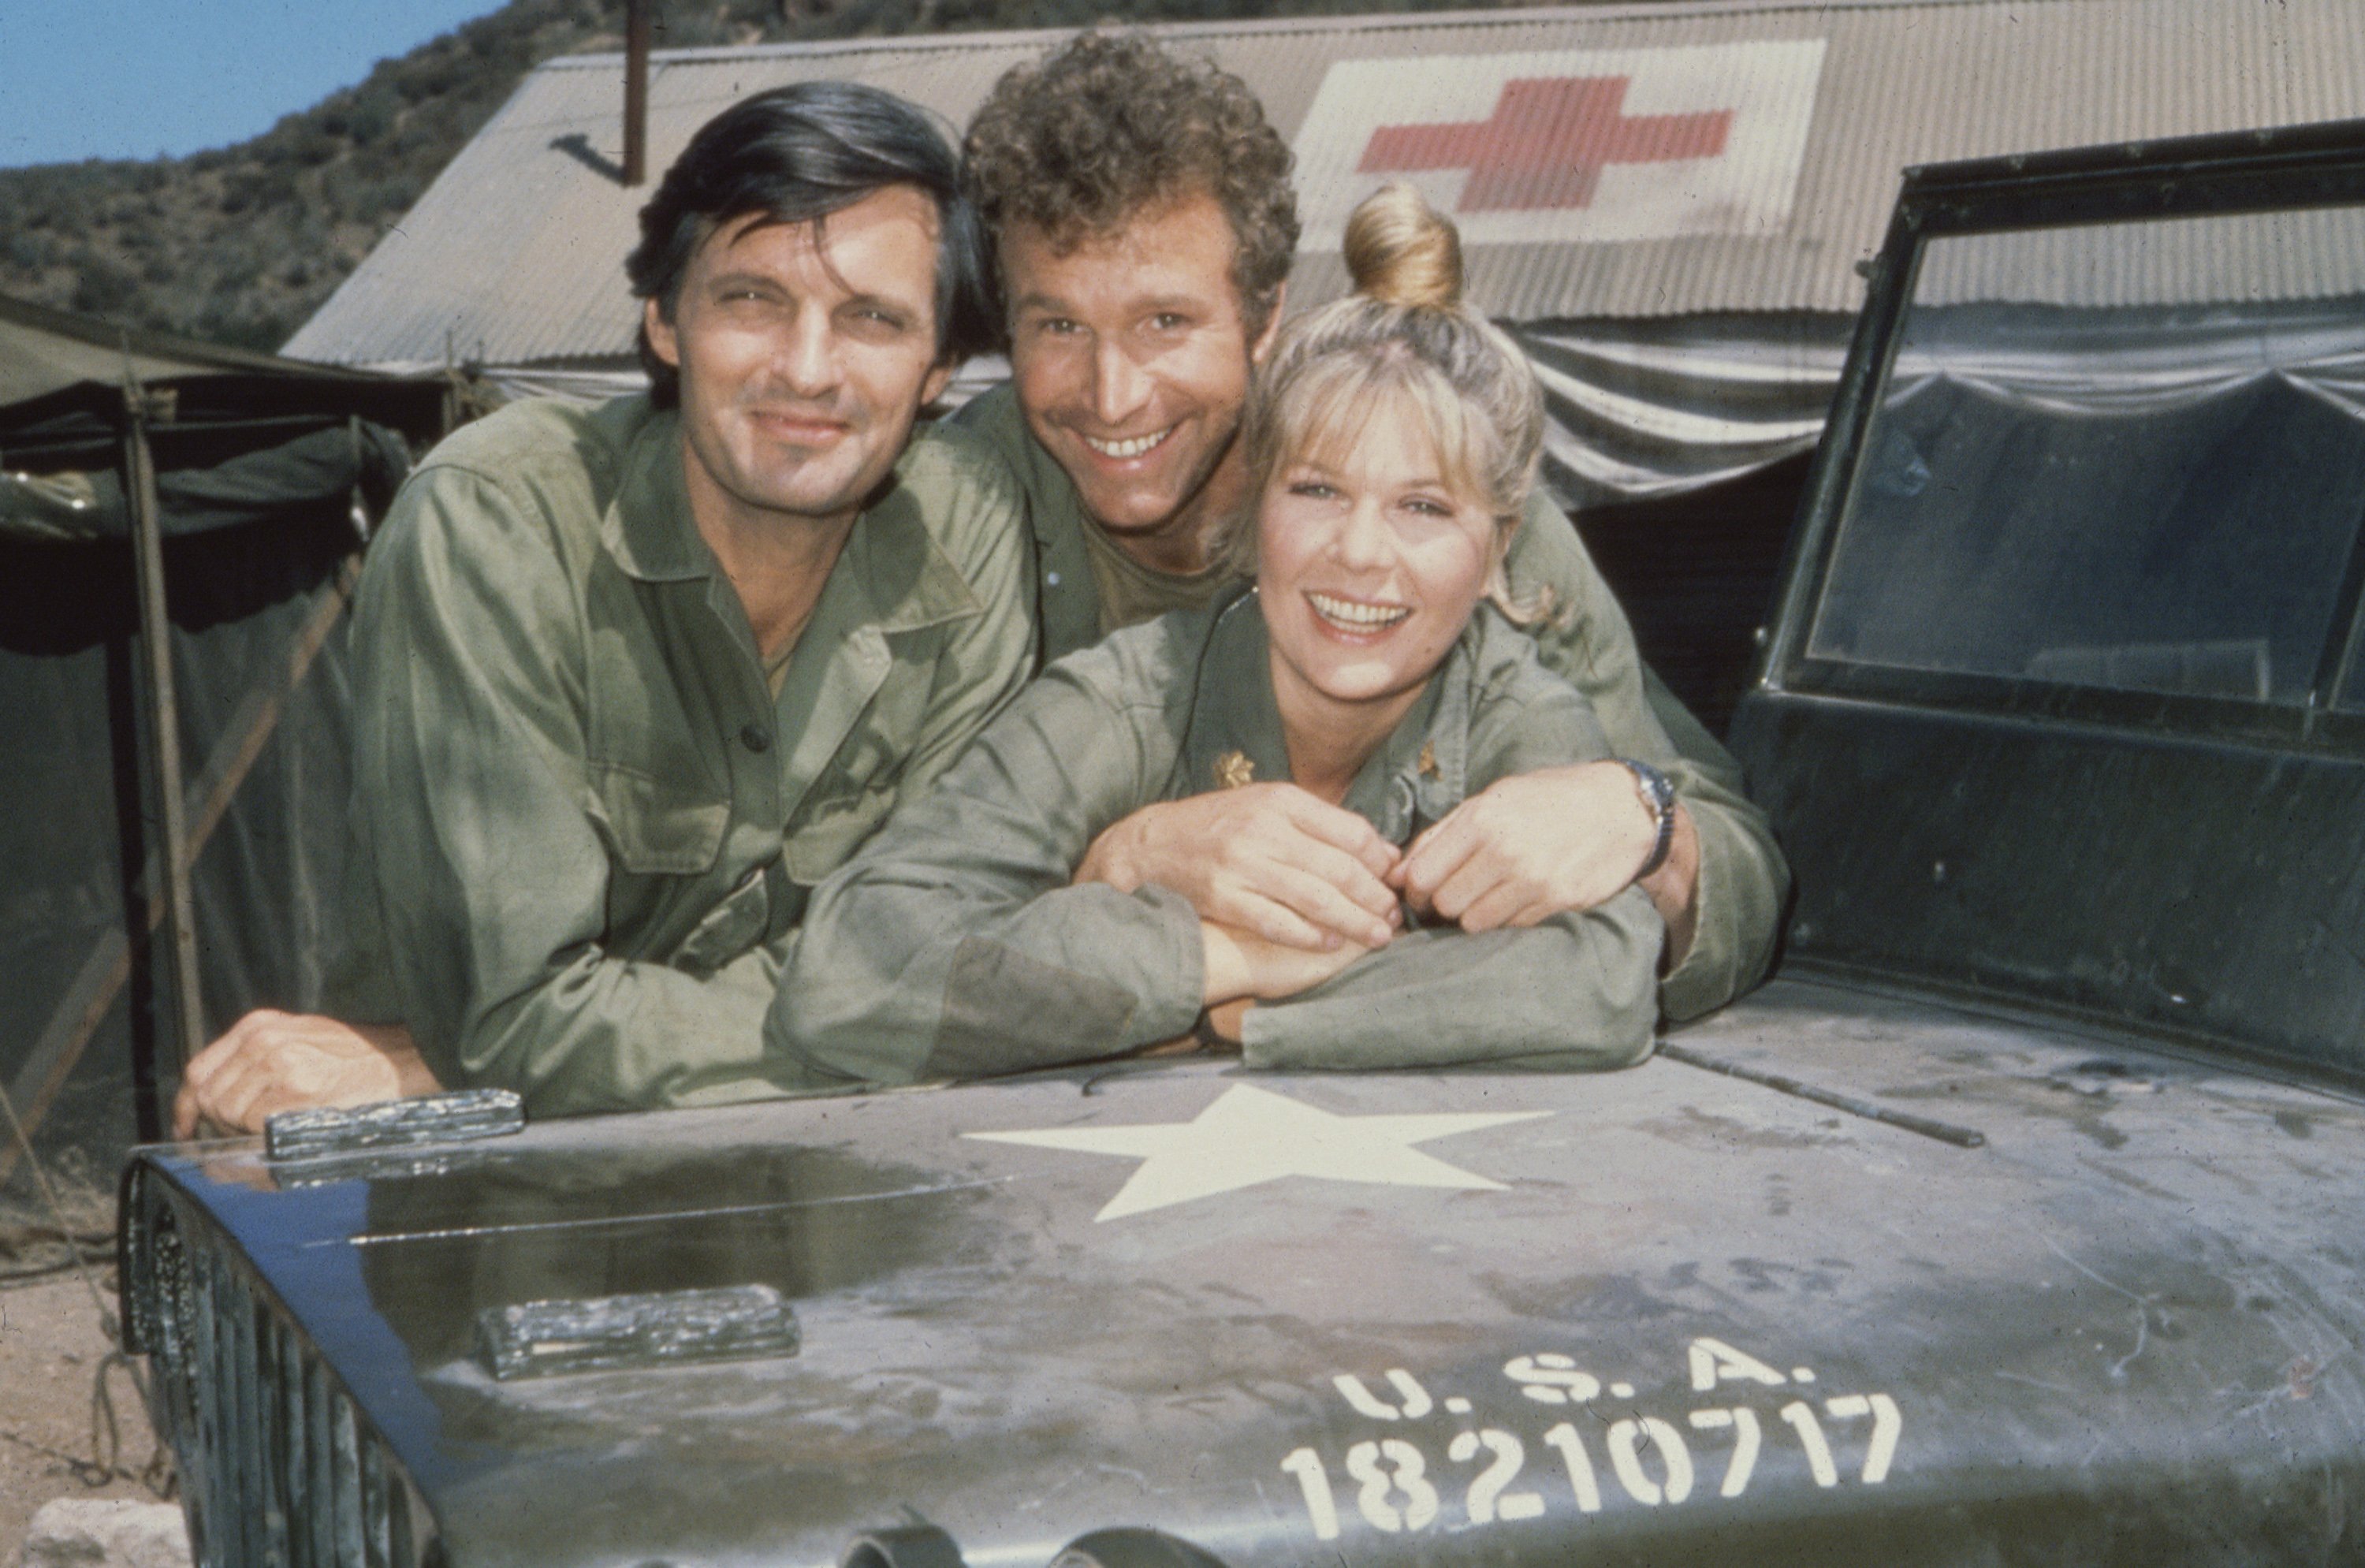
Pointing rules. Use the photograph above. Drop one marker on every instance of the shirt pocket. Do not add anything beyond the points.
(729, 929)
(835, 826)
(654, 826)
(864, 779)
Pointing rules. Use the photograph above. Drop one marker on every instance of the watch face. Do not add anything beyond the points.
(1658, 792)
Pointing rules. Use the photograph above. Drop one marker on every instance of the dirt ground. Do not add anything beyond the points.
(52, 1347)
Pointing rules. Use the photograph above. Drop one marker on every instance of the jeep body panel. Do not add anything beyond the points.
(2123, 1325)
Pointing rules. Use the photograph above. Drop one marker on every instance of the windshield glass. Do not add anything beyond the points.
(2126, 455)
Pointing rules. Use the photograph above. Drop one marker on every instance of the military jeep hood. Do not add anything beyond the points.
(1656, 1315)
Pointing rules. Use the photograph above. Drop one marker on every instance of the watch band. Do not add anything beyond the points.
(1658, 793)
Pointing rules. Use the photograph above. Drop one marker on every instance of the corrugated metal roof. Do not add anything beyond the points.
(514, 255)
(2233, 258)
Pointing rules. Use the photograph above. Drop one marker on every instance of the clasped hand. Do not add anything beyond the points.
(1295, 889)
(1279, 864)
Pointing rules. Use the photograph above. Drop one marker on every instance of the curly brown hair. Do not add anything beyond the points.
(1109, 124)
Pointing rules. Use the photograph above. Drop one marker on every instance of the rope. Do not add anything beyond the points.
(104, 1463)
(107, 1464)
(88, 1471)
(19, 1274)
(106, 1323)
(157, 1474)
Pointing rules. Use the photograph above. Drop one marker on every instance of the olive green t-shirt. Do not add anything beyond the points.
(1130, 593)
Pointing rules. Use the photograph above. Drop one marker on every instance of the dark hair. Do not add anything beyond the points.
(1110, 124)
(795, 155)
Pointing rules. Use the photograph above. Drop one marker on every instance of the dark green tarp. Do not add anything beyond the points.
(294, 478)
(268, 474)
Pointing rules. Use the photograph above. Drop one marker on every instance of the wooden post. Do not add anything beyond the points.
(636, 90)
(161, 712)
(107, 966)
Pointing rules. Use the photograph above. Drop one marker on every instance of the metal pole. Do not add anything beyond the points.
(162, 723)
(636, 90)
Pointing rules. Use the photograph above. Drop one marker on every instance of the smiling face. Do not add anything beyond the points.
(804, 364)
(1131, 362)
(1370, 561)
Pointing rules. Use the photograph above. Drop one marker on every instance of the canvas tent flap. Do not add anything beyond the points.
(263, 697)
(264, 468)
(44, 352)
(63, 380)
(1637, 409)
(294, 477)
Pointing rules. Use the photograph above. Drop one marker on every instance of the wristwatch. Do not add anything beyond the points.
(1659, 798)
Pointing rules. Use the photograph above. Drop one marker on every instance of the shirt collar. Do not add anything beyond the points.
(1420, 773)
(647, 526)
(902, 572)
(1235, 731)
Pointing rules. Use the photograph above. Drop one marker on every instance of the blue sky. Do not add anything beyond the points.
(134, 78)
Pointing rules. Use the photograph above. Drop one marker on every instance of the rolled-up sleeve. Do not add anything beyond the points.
(953, 945)
(1577, 992)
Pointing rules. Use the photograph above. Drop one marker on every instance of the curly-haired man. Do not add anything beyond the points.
(1143, 226)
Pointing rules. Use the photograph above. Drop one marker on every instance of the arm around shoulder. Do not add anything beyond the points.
(1735, 899)
(1743, 882)
(1574, 990)
(955, 946)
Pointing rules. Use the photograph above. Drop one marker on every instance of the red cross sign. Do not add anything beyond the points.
(1566, 146)
(1547, 143)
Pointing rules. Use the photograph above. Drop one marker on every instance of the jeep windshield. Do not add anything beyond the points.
(2126, 455)
(2073, 625)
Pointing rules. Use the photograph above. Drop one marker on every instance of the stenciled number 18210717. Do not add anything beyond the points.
(1395, 1487)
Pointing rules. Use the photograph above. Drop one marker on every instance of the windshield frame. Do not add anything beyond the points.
(2306, 166)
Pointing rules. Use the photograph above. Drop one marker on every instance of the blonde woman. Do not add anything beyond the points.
(1392, 438)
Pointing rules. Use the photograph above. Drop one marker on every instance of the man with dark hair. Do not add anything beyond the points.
(630, 680)
(795, 156)
(1143, 226)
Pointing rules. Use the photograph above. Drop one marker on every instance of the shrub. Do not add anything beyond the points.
(373, 113)
(101, 286)
(26, 252)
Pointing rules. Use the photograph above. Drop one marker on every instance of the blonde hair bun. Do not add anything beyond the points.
(1401, 250)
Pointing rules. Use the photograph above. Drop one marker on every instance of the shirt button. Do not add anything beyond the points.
(755, 737)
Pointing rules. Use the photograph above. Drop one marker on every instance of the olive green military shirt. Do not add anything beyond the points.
(953, 945)
(583, 822)
(1585, 640)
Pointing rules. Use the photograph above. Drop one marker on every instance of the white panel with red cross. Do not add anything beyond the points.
(1568, 145)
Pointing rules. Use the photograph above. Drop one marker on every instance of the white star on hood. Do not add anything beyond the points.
(1251, 1136)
